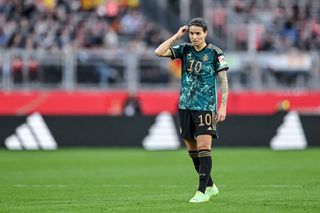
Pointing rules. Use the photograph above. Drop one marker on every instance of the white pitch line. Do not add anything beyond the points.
(39, 186)
(98, 186)
(280, 186)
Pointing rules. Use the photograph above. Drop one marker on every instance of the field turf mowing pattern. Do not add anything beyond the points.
(135, 180)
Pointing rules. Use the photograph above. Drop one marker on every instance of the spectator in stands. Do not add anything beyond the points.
(17, 69)
(132, 106)
(33, 70)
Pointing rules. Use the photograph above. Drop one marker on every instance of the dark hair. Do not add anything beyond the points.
(200, 22)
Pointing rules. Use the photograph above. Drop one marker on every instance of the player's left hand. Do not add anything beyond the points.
(221, 115)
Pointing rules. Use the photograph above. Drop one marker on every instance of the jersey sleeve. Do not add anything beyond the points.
(221, 63)
(177, 51)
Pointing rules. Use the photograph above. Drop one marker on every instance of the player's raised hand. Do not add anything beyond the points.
(182, 31)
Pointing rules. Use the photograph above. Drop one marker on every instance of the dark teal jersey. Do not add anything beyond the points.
(198, 76)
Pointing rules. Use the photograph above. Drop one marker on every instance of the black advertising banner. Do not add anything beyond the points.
(121, 131)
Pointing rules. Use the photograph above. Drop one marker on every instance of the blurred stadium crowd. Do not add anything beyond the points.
(280, 24)
(69, 42)
(60, 24)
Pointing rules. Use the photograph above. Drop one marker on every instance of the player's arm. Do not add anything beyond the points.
(163, 50)
(222, 112)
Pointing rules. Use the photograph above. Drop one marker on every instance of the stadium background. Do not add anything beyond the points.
(88, 69)
(95, 58)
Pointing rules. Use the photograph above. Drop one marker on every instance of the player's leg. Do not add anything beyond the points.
(204, 143)
(187, 133)
(204, 147)
(205, 161)
(187, 130)
(192, 148)
(191, 145)
(210, 190)
(205, 131)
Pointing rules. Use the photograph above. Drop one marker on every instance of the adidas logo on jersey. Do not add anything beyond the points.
(210, 128)
(32, 135)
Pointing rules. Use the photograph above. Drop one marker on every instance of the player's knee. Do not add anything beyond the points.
(191, 144)
(204, 147)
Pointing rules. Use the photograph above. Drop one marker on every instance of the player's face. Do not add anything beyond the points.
(197, 35)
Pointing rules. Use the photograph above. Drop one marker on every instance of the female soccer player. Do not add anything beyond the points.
(202, 64)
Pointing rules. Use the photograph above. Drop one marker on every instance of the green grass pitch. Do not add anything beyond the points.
(134, 180)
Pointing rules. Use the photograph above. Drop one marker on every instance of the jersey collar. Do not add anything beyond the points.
(199, 50)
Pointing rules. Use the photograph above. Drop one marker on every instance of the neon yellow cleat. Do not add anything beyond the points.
(212, 191)
(199, 197)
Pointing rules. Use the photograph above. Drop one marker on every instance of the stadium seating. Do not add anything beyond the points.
(109, 46)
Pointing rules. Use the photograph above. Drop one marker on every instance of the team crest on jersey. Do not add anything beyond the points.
(205, 57)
